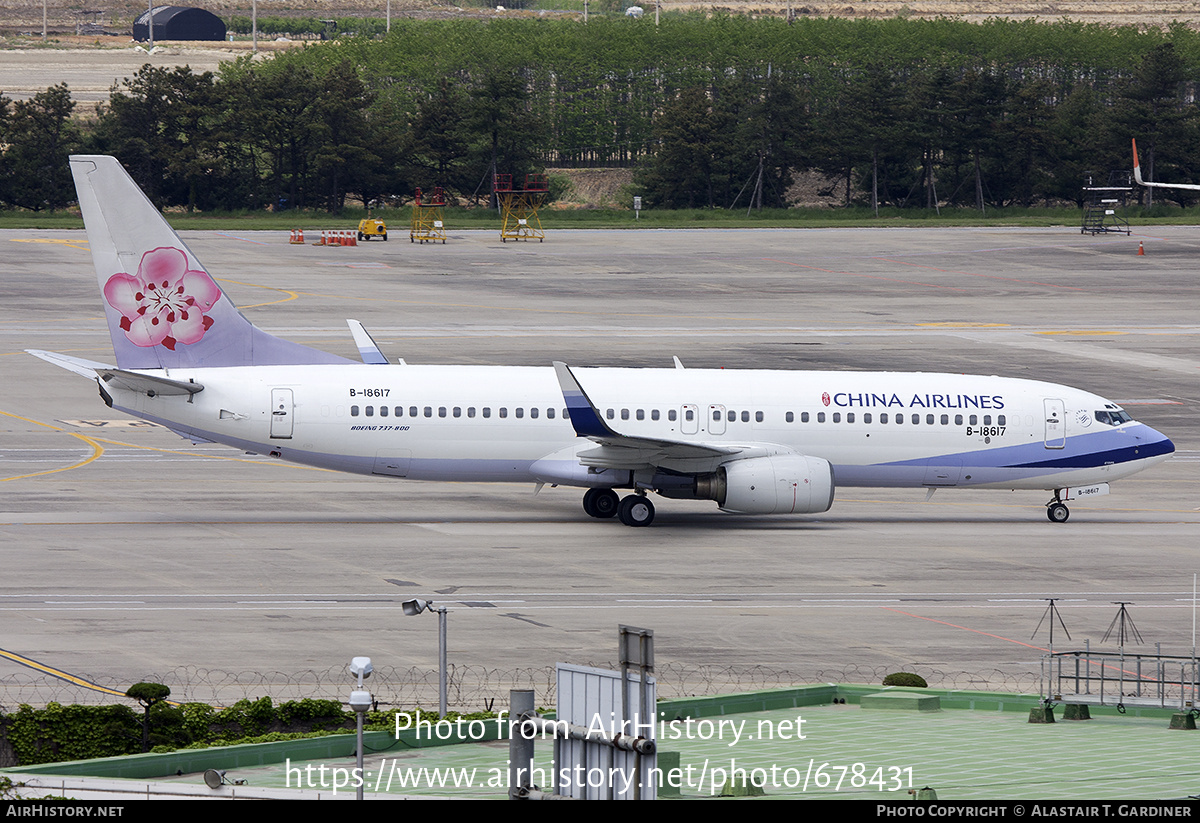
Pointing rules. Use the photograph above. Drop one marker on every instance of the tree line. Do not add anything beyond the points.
(711, 112)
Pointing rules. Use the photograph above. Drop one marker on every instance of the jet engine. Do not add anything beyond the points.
(778, 484)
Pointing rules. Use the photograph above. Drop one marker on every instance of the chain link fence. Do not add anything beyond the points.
(470, 688)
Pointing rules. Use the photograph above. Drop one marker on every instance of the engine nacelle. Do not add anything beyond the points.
(779, 484)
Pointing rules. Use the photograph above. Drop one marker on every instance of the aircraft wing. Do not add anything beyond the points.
(1137, 176)
(367, 348)
(621, 451)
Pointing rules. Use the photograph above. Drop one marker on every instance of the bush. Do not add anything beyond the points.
(905, 679)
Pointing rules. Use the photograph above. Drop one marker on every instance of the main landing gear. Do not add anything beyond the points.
(600, 503)
(633, 510)
(1056, 510)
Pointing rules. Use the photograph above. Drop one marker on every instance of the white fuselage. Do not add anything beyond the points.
(494, 423)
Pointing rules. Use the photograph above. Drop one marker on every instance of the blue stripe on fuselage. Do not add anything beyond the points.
(1082, 451)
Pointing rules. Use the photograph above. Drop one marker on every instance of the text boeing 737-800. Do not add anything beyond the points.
(755, 441)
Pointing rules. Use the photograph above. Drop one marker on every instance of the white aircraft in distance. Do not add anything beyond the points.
(1137, 176)
(754, 441)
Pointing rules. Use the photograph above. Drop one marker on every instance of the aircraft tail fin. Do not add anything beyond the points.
(163, 308)
(1137, 166)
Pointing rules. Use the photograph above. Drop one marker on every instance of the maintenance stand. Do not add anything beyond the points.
(427, 222)
(1104, 207)
(519, 206)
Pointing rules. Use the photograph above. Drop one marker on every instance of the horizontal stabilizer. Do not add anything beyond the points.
(145, 384)
(84, 368)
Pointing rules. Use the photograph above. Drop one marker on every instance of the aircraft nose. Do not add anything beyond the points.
(1159, 444)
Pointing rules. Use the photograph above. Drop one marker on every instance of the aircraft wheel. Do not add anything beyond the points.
(384, 237)
(636, 510)
(606, 502)
(1057, 513)
(600, 503)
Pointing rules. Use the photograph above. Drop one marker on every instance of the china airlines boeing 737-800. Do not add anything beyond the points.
(754, 441)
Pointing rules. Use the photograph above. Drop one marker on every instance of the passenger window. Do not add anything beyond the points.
(458, 411)
(641, 414)
(487, 411)
(533, 413)
(929, 419)
(1000, 420)
(916, 419)
(758, 417)
(383, 411)
(610, 414)
(745, 417)
(429, 411)
(354, 411)
(987, 420)
(654, 414)
(973, 419)
(503, 411)
(441, 411)
(849, 417)
(399, 410)
(866, 417)
(412, 411)
(550, 413)
(689, 415)
(837, 417)
(671, 415)
(803, 417)
(470, 411)
(520, 412)
(370, 410)
(789, 417)
(945, 420)
(958, 419)
(883, 418)
(624, 414)
(820, 417)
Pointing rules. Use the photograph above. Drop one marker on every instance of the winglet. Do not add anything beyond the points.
(367, 349)
(585, 417)
(1137, 166)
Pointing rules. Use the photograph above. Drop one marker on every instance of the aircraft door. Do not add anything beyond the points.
(282, 411)
(1056, 423)
(689, 419)
(716, 419)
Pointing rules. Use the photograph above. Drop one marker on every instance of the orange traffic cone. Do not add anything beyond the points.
(1141, 249)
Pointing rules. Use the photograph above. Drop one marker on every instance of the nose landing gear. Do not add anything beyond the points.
(1056, 510)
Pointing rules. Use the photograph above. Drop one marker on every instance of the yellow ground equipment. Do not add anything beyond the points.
(519, 205)
(371, 227)
(427, 214)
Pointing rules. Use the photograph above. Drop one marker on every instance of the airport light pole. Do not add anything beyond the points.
(412, 607)
(360, 702)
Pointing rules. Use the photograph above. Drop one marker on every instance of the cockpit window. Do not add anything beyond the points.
(1113, 418)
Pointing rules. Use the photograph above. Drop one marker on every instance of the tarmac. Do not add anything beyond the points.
(130, 554)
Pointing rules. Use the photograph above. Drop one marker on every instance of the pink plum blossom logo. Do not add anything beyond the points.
(166, 303)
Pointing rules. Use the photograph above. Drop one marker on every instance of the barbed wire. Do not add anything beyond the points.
(469, 688)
